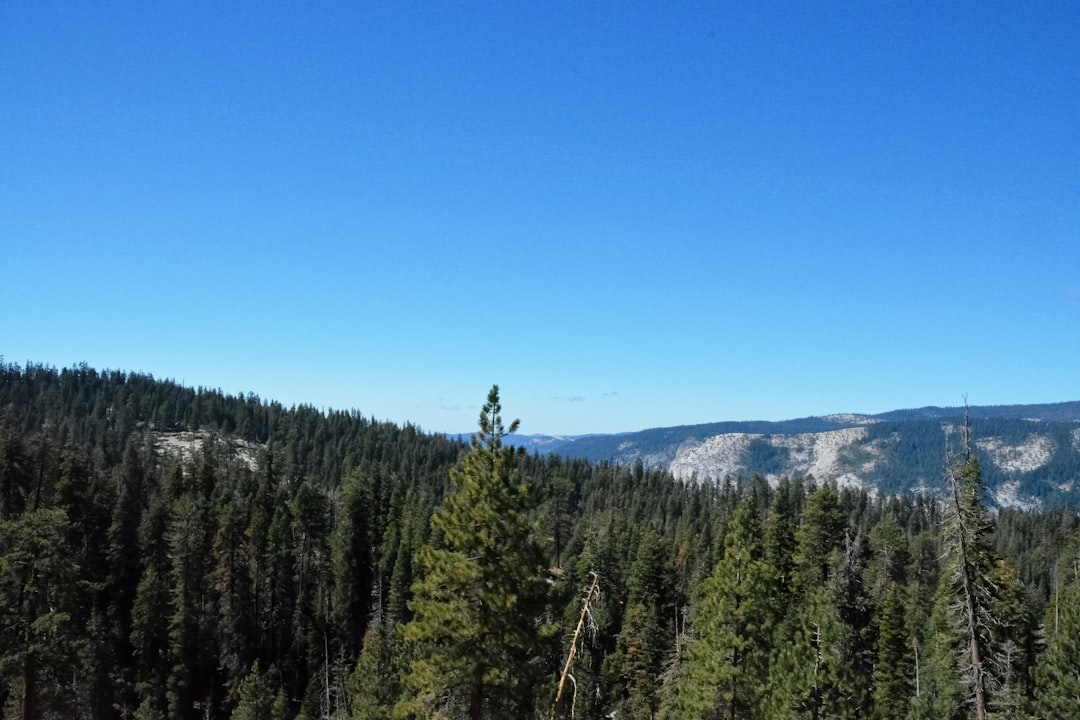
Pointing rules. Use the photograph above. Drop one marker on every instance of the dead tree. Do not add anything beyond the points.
(586, 614)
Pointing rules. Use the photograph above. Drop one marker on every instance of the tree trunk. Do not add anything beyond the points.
(476, 697)
(967, 579)
(28, 710)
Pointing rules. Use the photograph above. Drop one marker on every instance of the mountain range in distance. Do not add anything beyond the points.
(1030, 454)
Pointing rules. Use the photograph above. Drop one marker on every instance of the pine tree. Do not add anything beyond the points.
(806, 674)
(646, 633)
(16, 471)
(726, 666)
(961, 658)
(890, 556)
(894, 669)
(967, 577)
(819, 536)
(257, 699)
(477, 607)
(1014, 642)
(351, 563)
(594, 688)
(122, 546)
(37, 641)
(312, 580)
(375, 683)
(232, 584)
(886, 578)
(1057, 674)
(818, 647)
(856, 614)
(941, 692)
(191, 648)
(779, 541)
(149, 634)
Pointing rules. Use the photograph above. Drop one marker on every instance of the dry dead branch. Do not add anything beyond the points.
(590, 596)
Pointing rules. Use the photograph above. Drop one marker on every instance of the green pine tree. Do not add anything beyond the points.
(806, 674)
(477, 607)
(962, 668)
(941, 690)
(967, 575)
(351, 564)
(257, 699)
(726, 665)
(375, 683)
(191, 647)
(1057, 674)
(894, 669)
(149, 635)
(819, 647)
(37, 641)
(819, 536)
(643, 642)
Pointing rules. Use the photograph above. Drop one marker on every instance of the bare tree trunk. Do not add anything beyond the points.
(967, 584)
(476, 697)
(915, 646)
(971, 615)
(28, 710)
(326, 676)
(594, 590)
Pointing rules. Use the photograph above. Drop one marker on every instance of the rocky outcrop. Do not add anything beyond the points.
(186, 445)
(822, 455)
(1030, 455)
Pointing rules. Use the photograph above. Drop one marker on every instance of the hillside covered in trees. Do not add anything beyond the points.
(168, 552)
(1029, 454)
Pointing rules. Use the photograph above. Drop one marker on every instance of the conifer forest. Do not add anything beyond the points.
(177, 553)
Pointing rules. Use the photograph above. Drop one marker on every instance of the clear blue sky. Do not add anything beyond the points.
(627, 215)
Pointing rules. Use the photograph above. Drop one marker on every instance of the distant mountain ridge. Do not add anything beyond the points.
(1030, 453)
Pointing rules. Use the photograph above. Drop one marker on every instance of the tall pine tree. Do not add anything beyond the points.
(726, 666)
(1057, 674)
(961, 668)
(477, 608)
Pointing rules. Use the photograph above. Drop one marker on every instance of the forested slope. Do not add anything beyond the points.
(1030, 454)
(298, 563)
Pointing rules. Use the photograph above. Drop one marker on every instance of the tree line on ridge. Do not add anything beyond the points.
(348, 568)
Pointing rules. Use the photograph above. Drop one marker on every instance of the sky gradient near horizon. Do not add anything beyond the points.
(627, 215)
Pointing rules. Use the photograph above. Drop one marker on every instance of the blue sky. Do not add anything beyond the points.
(626, 215)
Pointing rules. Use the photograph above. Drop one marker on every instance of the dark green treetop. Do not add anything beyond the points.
(476, 631)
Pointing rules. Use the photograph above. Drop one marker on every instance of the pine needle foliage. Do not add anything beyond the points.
(1057, 673)
(726, 668)
(476, 630)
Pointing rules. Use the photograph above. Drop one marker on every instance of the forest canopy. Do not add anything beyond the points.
(168, 552)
